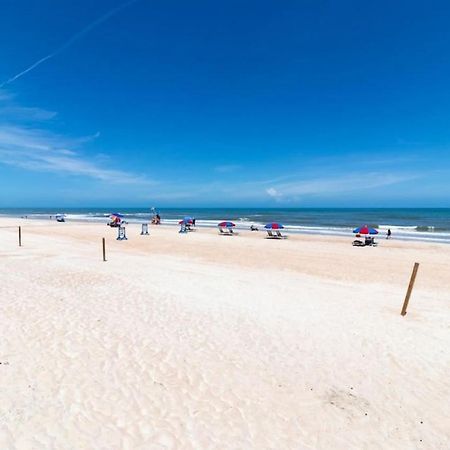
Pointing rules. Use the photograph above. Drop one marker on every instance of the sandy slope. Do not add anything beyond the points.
(211, 342)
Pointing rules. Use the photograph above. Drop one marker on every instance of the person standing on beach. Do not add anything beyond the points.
(389, 233)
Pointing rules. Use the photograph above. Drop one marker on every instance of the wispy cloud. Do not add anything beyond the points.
(300, 188)
(25, 143)
(70, 41)
(329, 186)
(40, 150)
(15, 112)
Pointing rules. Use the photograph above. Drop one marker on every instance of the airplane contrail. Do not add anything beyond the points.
(71, 41)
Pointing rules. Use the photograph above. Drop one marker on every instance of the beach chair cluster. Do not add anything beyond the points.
(273, 231)
(226, 228)
(368, 233)
(187, 224)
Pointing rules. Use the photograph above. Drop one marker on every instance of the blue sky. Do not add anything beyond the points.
(207, 103)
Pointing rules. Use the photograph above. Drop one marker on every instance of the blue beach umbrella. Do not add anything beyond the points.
(117, 215)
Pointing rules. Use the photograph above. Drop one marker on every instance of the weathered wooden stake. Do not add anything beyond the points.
(20, 236)
(104, 249)
(410, 288)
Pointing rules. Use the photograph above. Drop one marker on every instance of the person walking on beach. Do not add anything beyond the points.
(389, 233)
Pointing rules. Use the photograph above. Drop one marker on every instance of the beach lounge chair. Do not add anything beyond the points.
(370, 241)
(275, 234)
(227, 231)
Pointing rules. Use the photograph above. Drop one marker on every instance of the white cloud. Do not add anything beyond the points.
(42, 151)
(347, 183)
(26, 144)
(21, 113)
(272, 192)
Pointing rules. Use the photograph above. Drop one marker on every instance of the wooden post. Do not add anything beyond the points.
(104, 249)
(20, 236)
(410, 288)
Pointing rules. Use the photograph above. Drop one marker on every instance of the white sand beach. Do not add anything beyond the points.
(202, 341)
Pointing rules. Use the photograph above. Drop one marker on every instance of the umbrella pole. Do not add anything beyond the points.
(20, 236)
(410, 288)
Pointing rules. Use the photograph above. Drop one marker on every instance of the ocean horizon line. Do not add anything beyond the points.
(140, 207)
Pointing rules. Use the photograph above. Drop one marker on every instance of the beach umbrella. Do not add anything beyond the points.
(226, 225)
(273, 226)
(365, 230)
(116, 218)
(187, 219)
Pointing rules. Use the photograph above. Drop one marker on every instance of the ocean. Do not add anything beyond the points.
(425, 224)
